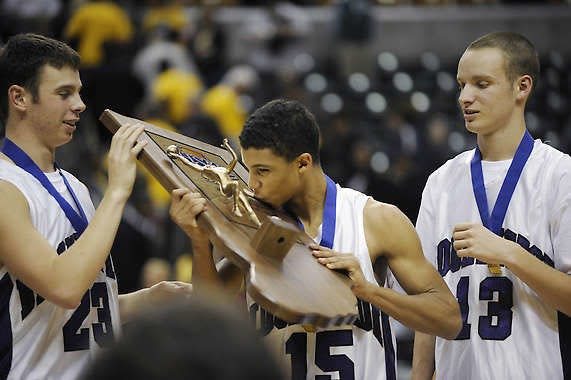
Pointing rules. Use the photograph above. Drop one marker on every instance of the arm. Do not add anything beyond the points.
(423, 357)
(131, 304)
(185, 208)
(63, 279)
(553, 286)
(429, 306)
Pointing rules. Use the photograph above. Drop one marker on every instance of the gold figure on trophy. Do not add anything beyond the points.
(227, 186)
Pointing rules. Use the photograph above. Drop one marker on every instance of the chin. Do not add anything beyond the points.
(473, 127)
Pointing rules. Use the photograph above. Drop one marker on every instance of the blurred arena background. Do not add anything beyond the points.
(379, 76)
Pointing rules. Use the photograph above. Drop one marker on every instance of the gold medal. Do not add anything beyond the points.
(309, 328)
(494, 269)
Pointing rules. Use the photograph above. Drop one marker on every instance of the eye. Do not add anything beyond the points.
(262, 171)
(64, 94)
(483, 84)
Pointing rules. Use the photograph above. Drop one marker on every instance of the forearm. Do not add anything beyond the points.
(553, 286)
(423, 357)
(431, 312)
(204, 273)
(82, 262)
(130, 303)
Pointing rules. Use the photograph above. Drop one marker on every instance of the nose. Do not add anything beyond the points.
(78, 105)
(466, 96)
(253, 183)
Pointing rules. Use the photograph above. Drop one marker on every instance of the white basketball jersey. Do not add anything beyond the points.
(39, 340)
(363, 351)
(508, 331)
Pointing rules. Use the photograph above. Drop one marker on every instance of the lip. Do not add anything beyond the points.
(71, 123)
(470, 116)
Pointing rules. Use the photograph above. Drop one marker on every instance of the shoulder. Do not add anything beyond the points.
(385, 227)
(14, 184)
(545, 153)
(348, 194)
(549, 165)
(13, 202)
(383, 215)
(16, 177)
(452, 168)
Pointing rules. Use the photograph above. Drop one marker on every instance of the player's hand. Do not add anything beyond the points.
(122, 158)
(168, 291)
(346, 262)
(185, 207)
(475, 240)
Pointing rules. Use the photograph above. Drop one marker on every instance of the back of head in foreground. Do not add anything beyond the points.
(199, 339)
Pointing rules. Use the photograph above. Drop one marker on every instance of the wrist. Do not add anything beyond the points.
(513, 256)
(117, 195)
(359, 288)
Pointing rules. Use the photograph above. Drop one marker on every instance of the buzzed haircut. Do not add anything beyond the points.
(521, 57)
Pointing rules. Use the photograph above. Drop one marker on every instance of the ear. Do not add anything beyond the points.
(304, 161)
(17, 97)
(523, 87)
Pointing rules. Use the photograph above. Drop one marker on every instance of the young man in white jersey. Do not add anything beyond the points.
(495, 222)
(280, 147)
(58, 291)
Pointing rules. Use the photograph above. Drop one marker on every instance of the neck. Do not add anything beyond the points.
(308, 204)
(41, 154)
(501, 145)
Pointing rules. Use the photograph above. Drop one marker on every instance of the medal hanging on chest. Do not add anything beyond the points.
(495, 221)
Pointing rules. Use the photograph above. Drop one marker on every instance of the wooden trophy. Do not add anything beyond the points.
(281, 273)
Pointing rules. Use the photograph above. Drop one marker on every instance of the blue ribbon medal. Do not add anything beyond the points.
(495, 221)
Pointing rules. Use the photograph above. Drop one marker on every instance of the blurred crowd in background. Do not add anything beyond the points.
(386, 123)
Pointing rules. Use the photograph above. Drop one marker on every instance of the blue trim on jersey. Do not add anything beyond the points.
(565, 343)
(329, 214)
(389, 348)
(6, 286)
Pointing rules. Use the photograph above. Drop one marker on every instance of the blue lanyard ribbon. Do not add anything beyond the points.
(20, 158)
(495, 221)
(329, 215)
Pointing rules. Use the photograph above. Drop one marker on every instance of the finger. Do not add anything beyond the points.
(193, 198)
(322, 253)
(461, 248)
(180, 192)
(463, 227)
(132, 132)
(139, 146)
(337, 265)
(460, 235)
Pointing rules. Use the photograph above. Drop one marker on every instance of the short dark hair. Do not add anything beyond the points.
(287, 127)
(202, 338)
(520, 55)
(22, 59)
